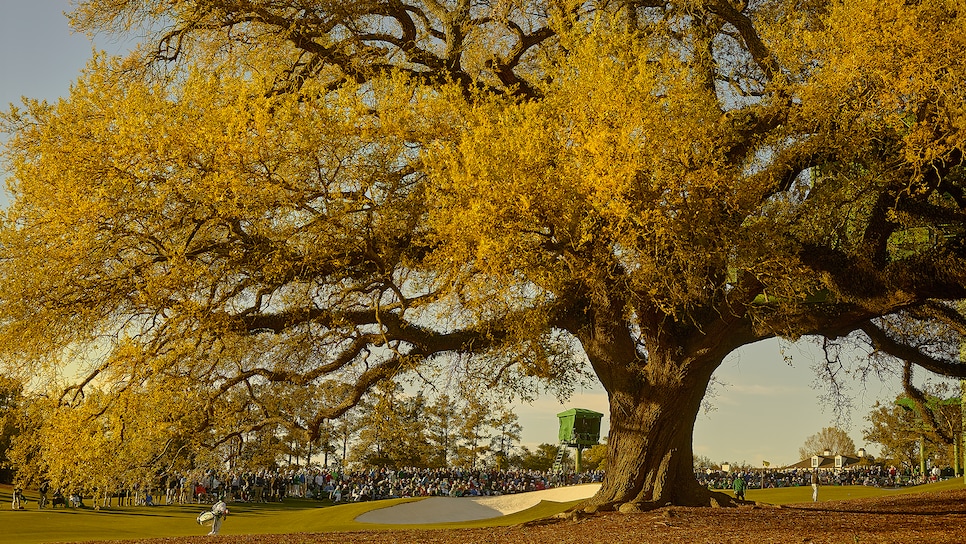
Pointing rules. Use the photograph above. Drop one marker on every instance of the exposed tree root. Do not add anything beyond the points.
(707, 498)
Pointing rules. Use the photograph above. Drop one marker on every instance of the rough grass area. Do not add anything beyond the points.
(934, 513)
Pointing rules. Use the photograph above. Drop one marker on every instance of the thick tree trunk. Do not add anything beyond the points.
(649, 459)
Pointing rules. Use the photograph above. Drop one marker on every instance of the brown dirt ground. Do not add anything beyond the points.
(933, 518)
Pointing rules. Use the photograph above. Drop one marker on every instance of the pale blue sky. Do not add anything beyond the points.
(765, 410)
(39, 55)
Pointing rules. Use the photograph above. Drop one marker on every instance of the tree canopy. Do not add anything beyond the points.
(11, 393)
(831, 439)
(279, 205)
(906, 426)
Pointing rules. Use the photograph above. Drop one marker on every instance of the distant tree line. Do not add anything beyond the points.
(392, 428)
(911, 431)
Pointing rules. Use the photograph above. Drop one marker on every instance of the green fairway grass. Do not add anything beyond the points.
(34, 526)
(791, 495)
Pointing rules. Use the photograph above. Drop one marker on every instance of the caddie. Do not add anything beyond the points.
(219, 510)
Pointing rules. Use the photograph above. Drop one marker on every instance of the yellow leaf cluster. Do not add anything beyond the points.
(618, 159)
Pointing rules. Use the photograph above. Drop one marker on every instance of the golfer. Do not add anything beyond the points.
(815, 485)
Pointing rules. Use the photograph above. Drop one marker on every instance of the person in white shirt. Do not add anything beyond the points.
(18, 499)
(815, 482)
(220, 510)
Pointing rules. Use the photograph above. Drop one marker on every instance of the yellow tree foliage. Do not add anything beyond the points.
(277, 206)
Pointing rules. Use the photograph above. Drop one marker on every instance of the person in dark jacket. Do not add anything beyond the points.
(43, 490)
(739, 486)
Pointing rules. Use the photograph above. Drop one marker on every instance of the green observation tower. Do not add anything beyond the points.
(579, 428)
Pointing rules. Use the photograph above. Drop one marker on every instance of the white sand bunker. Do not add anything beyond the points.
(446, 509)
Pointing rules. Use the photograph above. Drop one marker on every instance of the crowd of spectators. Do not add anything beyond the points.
(273, 485)
(868, 475)
(375, 484)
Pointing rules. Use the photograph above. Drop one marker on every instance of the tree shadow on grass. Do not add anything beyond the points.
(943, 503)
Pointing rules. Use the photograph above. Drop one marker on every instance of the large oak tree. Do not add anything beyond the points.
(273, 195)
